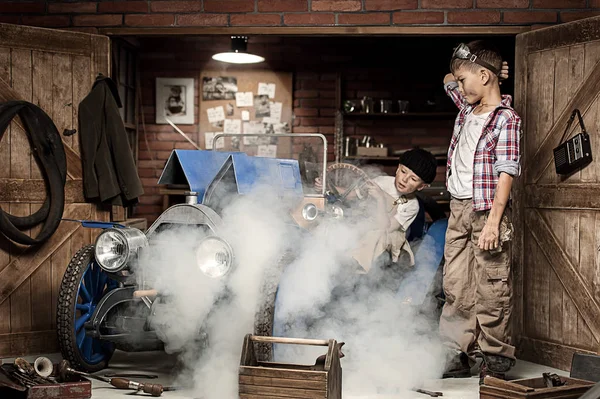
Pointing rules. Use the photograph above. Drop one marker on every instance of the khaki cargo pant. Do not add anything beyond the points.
(477, 285)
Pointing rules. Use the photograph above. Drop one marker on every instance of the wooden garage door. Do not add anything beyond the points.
(54, 70)
(556, 258)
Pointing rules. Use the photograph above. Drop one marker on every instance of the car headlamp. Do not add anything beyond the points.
(310, 212)
(463, 52)
(115, 247)
(214, 257)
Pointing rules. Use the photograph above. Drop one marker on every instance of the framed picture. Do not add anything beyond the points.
(175, 100)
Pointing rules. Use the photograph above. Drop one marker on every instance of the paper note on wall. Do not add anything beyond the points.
(269, 151)
(252, 127)
(245, 115)
(244, 99)
(232, 126)
(208, 141)
(266, 88)
(275, 113)
(216, 114)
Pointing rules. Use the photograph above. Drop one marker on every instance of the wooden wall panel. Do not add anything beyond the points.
(56, 78)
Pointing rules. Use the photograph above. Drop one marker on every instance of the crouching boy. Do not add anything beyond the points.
(483, 159)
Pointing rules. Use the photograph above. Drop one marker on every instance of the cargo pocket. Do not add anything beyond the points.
(496, 289)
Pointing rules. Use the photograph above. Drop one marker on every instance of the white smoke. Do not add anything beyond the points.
(390, 346)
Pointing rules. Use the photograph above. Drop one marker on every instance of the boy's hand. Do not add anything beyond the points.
(503, 72)
(318, 184)
(374, 191)
(488, 239)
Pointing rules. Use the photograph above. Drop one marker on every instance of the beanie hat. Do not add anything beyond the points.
(421, 162)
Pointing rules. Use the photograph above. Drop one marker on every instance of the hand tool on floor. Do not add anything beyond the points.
(64, 370)
(131, 375)
(430, 393)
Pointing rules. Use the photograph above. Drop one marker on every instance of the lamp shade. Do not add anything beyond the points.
(238, 53)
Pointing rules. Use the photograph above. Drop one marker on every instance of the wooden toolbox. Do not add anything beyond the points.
(494, 388)
(288, 381)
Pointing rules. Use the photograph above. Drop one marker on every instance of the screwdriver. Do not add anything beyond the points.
(120, 383)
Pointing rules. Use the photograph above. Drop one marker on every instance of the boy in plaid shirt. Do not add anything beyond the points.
(483, 159)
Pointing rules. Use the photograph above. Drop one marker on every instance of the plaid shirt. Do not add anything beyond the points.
(497, 150)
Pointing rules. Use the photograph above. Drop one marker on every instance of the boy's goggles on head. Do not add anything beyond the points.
(462, 52)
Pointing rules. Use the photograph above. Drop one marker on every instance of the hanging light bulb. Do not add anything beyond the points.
(238, 53)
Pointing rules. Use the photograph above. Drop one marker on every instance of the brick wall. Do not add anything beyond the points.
(89, 15)
(367, 68)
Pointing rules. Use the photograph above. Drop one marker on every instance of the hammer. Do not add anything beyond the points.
(64, 370)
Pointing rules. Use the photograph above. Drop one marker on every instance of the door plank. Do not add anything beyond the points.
(541, 294)
(587, 251)
(23, 265)
(566, 272)
(5, 249)
(563, 196)
(546, 105)
(41, 293)
(592, 55)
(42, 93)
(571, 248)
(20, 160)
(5, 142)
(62, 95)
(533, 107)
(20, 304)
(556, 220)
(60, 262)
(81, 88)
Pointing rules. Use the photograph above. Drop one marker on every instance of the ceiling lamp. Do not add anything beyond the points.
(238, 53)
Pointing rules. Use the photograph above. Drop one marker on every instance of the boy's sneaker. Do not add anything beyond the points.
(494, 366)
(457, 366)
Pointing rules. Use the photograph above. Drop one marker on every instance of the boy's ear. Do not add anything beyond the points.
(485, 76)
(422, 186)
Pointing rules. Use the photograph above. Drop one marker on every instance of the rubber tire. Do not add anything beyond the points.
(264, 316)
(65, 316)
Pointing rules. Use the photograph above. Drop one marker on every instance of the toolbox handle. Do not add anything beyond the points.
(296, 341)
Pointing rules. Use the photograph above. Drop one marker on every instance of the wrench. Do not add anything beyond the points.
(430, 393)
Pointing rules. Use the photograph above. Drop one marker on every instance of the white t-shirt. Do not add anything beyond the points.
(406, 212)
(460, 182)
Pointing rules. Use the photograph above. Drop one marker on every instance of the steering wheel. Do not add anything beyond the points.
(348, 179)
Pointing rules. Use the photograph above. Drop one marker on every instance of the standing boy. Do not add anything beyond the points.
(483, 159)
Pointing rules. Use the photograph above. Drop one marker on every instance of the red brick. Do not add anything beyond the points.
(72, 7)
(148, 209)
(159, 145)
(123, 6)
(9, 19)
(385, 5)
(255, 19)
(22, 8)
(306, 94)
(176, 6)
(150, 20)
(47, 21)
(309, 19)
(228, 5)
(473, 17)
(202, 19)
(336, 5)
(594, 3)
(443, 4)
(327, 130)
(151, 199)
(559, 3)
(327, 112)
(502, 3)
(84, 29)
(529, 17)
(98, 20)
(306, 112)
(282, 5)
(418, 17)
(305, 129)
(364, 18)
(317, 121)
(568, 16)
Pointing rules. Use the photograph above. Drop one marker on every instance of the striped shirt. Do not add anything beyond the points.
(497, 150)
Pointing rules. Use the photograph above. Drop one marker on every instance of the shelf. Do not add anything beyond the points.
(398, 115)
(357, 158)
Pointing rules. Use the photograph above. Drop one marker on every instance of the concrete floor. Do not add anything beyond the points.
(161, 364)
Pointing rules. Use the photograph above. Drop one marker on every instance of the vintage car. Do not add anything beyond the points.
(104, 304)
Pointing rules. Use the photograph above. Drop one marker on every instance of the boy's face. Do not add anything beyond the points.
(471, 84)
(407, 181)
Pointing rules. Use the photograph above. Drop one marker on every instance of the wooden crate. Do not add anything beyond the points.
(288, 381)
(495, 388)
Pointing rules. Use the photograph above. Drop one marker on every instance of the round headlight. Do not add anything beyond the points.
(116, 247)
(309, 212)
(214, 257)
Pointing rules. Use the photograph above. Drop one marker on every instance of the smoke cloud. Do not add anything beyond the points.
(391, 345)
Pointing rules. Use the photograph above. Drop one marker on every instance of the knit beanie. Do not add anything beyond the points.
(421, 162)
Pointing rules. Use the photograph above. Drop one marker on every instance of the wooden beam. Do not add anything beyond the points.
(566, 272)
(74, 168)
(34, 191)
(547, 353)
(563, 196)
(567, 34)
(25, 343)
(32, 258)
(49, 40)
(582, 100)
(318, 31)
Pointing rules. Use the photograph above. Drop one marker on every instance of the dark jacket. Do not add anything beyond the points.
(109, 171)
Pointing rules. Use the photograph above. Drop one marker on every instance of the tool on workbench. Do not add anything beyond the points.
(64, 370)
(43, 367)
(131, 375)
(433, 394)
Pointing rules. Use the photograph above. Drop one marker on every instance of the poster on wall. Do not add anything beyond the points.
(175, 100)
(219, 88)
